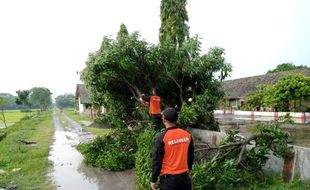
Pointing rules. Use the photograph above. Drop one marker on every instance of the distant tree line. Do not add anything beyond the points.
(65, 101)
(10, 101)
(37, 97)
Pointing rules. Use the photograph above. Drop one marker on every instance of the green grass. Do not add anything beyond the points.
(13, 116)
(77, 116)
(32, 160)
(82, 117)
(98, 131)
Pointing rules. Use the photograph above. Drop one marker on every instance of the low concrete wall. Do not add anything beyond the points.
(301, 162)
(211, 137)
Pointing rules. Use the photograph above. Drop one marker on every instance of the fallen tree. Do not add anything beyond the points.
(237, 160)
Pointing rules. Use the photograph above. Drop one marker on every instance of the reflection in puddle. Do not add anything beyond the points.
(69, 172)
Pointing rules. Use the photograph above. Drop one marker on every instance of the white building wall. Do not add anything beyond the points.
(81, 107)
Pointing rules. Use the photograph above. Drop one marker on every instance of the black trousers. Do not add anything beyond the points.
(176, 182)
(156, 119)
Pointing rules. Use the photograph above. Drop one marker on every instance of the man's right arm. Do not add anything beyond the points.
(157, 158)
(146, 98)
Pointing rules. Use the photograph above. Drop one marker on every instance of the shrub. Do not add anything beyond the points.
(188, 115)
(222, 170)
(143, 170)
(2, 135)
(200, 178)
(113, 152)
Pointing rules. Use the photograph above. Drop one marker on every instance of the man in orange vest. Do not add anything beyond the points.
(173, 155)
(155, 110)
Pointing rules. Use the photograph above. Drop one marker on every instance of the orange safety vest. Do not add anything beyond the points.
(176, 152)
(155, 105)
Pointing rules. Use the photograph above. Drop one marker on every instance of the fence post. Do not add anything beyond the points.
(303, 117)
(276, 116)
(213, 139)
(252, 115)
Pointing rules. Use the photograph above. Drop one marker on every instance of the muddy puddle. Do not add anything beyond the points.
(69, 172)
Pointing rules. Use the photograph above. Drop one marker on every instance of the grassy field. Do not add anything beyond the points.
(82, 117)
(27, 166)
(13, 116)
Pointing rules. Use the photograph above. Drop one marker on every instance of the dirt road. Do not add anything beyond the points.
(69, 172)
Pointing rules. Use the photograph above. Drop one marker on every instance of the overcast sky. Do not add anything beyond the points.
(43, 43)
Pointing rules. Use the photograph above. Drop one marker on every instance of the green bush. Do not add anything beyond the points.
(188, 115)
(2, 135)
(200, 178)
(225, 176)
(213, 174)
(115, 152)
(220, 171)
(143, 169)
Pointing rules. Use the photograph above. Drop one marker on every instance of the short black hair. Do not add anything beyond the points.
(170, 114)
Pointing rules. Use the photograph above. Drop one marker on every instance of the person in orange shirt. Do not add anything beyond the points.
(155, 110)
(173, 155)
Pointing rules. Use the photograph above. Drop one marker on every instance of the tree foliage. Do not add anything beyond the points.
(40, 97)
(65, 101)
(286, 67)
(232, 164)
(293, 88)
(174, 18)
(262, 97)
(143, 161)
(113, 152)
(11, 104)
(3, 103)
(122, 70)
(125, 68)
(23, 98)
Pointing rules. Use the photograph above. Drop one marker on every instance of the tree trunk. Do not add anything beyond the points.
(3, 118)
(288, 168)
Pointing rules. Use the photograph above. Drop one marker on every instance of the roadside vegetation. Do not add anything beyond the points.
(24, 153)
(114, 152)
(13, 116)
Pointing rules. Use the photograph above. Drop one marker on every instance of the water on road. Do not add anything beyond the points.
(69, 171)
